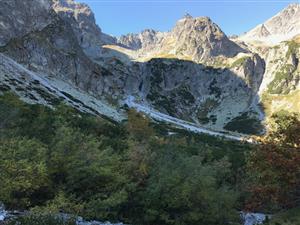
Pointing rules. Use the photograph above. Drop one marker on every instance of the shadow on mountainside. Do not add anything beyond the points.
(210, 97)
(216, 98)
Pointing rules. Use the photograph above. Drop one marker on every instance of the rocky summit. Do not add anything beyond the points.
(181, 127)
(197, 39)
(282, 27)
(53, 50)
(82, 20)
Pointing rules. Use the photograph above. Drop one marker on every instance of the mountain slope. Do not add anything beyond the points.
(39, 89)
(281, 84)
(277, 43)
(146, 40)
(16, 23)
(206, 96)
(201, 39)
(82, 20)
(193, 73)
(282, 27)
(197, 39)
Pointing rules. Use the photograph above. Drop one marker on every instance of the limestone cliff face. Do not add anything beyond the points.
(204, 95)
(283, 70)
(197, 39)
(18, 18)
(281, 27)
(280, 89)
(54, 50)
(202, 39)
(146, 40)
(82, 20)
(66, 44)
(277, 41)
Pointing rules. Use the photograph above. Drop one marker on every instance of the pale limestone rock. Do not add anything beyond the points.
(198, 39)
(283, 26)
(32, 15)
(82, 20)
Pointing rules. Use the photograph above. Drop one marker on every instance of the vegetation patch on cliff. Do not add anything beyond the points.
(281, 84)
(293, 47)
(205, 108)
(239, 62)
(245, 124)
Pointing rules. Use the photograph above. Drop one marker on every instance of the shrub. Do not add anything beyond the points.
(42, 219)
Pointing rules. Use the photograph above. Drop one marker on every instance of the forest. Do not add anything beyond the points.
(142, 172)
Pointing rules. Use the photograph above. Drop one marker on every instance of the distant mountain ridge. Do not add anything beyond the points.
(198, 39)
(282, 27)
(194, 72)
(81, 18)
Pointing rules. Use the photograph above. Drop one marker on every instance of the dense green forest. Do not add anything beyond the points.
(61, 160)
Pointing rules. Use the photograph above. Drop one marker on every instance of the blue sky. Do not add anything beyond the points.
(117, 17)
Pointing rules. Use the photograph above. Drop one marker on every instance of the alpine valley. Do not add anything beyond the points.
(192, 78)
(195, 73)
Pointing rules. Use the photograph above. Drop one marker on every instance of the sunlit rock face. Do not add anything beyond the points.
(67, 44)
(277, 41)
(50, 47)
(82, 20)
(198, 39)
(202, 39)
(145, 40)
(283, 26)
(193, 72)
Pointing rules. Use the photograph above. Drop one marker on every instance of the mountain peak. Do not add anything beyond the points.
(198, 24)
(263, 31)
(68, 5)
(145, 40)
(291, 10)
(281, 27)
(197, 38)
(295, 5)
(187, 16)
(82, 20)
(202, 39)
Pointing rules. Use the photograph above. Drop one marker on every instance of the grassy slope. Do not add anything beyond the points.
(275, 103)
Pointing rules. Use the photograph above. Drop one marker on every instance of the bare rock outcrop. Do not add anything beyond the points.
(32, 16)
(82, 20)
(282, 27)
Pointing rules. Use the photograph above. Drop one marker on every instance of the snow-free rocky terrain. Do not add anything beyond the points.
(282, 27)
(193, 75)
(248, 218)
